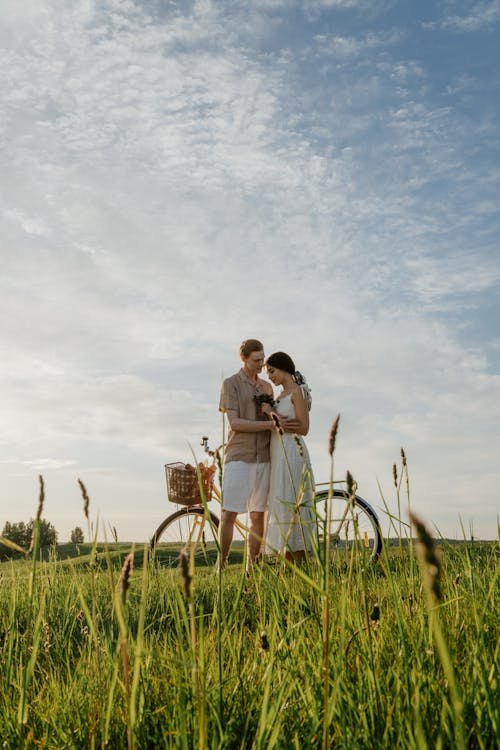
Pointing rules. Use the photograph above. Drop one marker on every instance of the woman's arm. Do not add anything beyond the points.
(299, 425)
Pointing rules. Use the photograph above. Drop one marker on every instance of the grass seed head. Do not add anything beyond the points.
(46, 637)
(187, 578)
(41, 498)
(403, 456)
(333, 435)
(128, 565)
(86, 499)
(349, 483)
(395, 475)
(39, 511)
(277, 423)
(299, 445)
(375, 613)
(218, 459)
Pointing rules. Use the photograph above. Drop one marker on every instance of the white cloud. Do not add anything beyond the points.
(345, 47)
(456, 275)
(480, 16)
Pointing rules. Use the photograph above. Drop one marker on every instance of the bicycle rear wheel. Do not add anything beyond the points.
(191, 528)
(355, 533)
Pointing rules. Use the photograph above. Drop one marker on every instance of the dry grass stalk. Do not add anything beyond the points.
(326, 600)
(429, 560)
(430, 564)
(41, 500)
(187, 574)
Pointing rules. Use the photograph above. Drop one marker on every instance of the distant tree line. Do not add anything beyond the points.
(21, 534)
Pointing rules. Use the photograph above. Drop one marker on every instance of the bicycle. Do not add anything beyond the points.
(354, 525)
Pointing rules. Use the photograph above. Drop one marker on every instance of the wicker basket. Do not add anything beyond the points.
(183, 486)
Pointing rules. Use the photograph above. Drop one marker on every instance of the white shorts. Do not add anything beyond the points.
(245, 487)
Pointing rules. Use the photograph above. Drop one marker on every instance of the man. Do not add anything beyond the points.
(245, 483)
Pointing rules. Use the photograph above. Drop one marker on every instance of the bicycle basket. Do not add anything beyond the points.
(183, 486)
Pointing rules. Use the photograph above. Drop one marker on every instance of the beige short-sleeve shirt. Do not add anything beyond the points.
(237, 394)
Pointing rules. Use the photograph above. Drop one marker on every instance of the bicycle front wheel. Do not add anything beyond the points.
(191, 528)
(355, 534)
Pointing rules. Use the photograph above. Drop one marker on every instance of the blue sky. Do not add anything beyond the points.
(177, 176)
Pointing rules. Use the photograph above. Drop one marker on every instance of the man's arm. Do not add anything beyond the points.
(247, 425)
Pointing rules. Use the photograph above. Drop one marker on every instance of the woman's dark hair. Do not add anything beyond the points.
(281, 361)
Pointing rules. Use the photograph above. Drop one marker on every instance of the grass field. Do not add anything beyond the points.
(94, 653)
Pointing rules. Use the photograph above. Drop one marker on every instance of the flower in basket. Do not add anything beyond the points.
(206, 472)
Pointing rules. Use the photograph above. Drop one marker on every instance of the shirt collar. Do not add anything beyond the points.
(253, 383)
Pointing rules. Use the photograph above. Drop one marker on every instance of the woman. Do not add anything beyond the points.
(291, 524)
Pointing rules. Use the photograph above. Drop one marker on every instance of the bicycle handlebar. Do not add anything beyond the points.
(204, 444)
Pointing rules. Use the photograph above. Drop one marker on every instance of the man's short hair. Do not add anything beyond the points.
(250, 345)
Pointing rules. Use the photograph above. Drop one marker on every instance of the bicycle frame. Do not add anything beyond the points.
(350, 505)
(357, 523)
(243, 529)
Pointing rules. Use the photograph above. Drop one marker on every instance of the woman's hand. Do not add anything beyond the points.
(266, 409)
(290, 425)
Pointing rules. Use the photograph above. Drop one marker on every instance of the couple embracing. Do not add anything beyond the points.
(266, 463)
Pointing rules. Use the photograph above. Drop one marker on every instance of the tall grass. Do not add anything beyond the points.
(143, 671)
(108, 650)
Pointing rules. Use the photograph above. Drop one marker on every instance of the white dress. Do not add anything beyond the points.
(291, 520)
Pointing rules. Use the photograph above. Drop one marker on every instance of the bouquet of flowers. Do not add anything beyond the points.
(264, 398)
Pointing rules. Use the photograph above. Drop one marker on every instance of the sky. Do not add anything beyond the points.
(322, 175)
